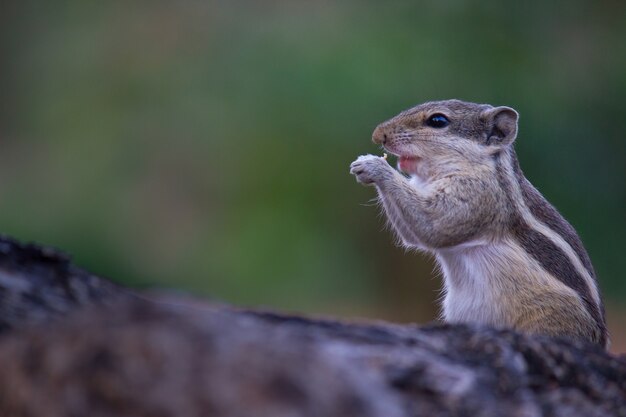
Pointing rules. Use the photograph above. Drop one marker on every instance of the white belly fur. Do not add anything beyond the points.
(484, 280)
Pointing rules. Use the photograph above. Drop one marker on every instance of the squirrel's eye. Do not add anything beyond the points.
(438, 121)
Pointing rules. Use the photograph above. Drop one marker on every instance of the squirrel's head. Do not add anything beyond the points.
(446, 130)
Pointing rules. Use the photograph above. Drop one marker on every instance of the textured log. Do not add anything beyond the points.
(39, 284)
(128, 356)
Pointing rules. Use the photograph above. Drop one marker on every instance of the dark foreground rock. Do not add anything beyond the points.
(100, 353)
(38, 285)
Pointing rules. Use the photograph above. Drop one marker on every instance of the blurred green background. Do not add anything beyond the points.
(204, 145)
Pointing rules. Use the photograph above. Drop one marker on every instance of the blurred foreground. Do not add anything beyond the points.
(73, 344)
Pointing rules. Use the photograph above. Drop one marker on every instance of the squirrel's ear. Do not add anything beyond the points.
(501, 125)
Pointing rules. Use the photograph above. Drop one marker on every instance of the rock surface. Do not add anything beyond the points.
(72, 344)
(39, 285)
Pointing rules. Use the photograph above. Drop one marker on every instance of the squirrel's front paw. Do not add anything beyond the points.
(369, 169)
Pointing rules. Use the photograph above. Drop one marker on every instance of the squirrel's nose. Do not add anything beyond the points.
(380, 135)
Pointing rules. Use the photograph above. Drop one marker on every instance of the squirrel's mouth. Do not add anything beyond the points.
(408, 164)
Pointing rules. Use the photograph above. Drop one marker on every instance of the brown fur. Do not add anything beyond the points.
(508, 257)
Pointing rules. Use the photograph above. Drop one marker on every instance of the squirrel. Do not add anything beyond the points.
(507, 256)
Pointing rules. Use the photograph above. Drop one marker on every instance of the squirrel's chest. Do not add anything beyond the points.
(482, 282)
